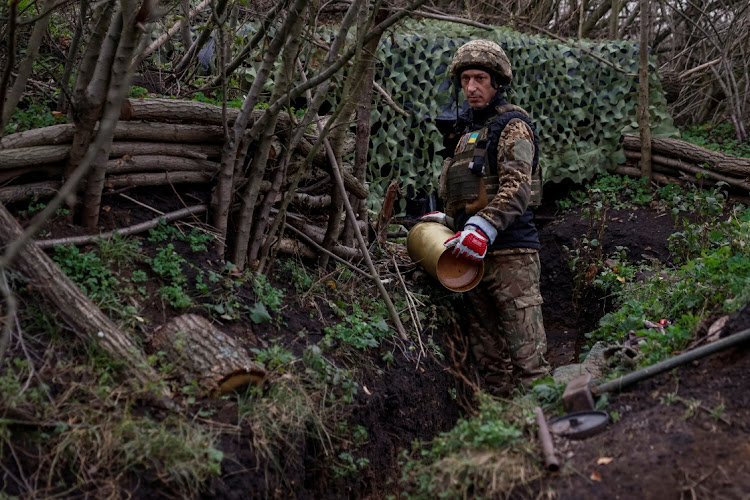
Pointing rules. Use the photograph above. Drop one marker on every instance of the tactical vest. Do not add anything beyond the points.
(465, 179)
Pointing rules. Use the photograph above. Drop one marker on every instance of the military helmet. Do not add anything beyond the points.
(482, 54)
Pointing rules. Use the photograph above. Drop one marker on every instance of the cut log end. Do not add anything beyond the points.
(203, 353)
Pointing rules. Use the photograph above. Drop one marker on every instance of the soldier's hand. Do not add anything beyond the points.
(471, 243)
(440, 218)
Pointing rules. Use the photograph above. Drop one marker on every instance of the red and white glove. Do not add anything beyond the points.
(471, 243)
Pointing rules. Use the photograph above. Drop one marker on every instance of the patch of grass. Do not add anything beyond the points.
(119, 250)
(79, 434)
(483, 456)
(304, 400)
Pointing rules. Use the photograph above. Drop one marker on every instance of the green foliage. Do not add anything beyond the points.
(613, 191)
(196, 238)
(483, 456)
(703, 229)
(270, 297)
(347, 466)
(549, 393)
(94, 278)
(359, 329)
(273, 358)
(168, 265)
(232, 103)
(714, 278)
(14, 391)
(135, 92)
(34, 206)
(33, 115)
(717, 137)
(221, 290)
(580, 106)
(302, 280)
(488, 429)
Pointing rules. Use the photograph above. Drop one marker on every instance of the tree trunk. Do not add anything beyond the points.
(675, 148)
(91, 87)
(121, 71)
(289, 39)
(24, 69)
(644, 123)
(72, 305)
(362, 143)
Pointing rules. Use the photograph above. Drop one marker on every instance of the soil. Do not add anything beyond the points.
(680, 434)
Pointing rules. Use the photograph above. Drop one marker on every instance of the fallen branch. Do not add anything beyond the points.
(159, 179)
(675, 148)
(44, 189)
(25, 157)
(134, 229)
(160, 163)
(311, 242)
(46, 136)
(206, 355)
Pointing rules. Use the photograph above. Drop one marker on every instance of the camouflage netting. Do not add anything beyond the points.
(580, 105)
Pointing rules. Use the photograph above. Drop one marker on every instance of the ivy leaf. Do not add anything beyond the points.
(259, 313)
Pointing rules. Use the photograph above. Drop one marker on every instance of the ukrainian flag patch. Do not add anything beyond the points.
(473, 137)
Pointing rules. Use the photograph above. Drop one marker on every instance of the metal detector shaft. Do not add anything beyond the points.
(668, 364)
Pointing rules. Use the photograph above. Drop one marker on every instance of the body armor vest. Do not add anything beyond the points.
(466, 179)
(469, 180)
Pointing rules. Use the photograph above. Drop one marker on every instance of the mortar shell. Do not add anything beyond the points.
(425, 246)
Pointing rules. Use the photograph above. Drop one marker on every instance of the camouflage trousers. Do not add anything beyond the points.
(504, 321)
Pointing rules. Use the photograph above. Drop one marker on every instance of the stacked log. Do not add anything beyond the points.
(162, 142)
(678, 161)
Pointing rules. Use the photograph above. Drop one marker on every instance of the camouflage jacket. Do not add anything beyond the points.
(510, 155)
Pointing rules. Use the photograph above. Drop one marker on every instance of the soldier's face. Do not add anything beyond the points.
(477, 86)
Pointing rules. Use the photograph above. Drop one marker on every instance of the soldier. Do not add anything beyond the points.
(486, 190)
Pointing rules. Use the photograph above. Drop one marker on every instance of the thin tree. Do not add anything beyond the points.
(644, 125)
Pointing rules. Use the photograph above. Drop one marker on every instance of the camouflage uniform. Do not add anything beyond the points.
(504, 317)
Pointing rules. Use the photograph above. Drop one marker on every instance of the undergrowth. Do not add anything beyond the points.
(717, 137)
(490, 454)
(77, 420)
(708, 272)
(73, 408)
